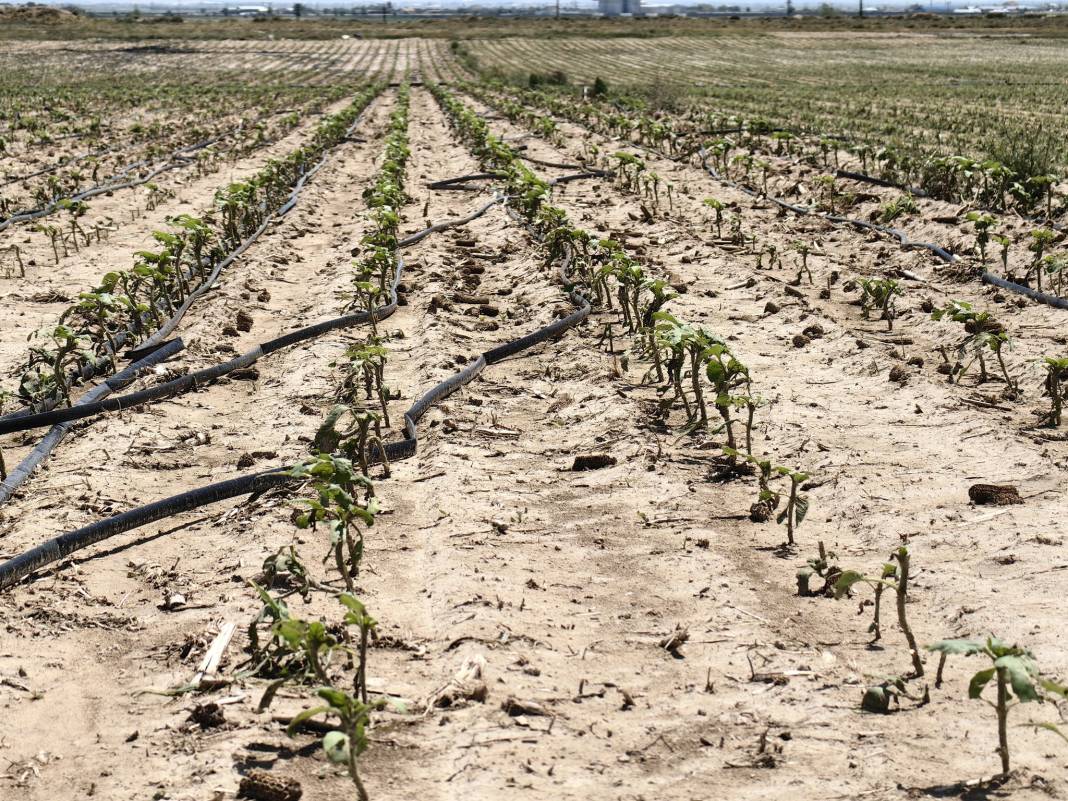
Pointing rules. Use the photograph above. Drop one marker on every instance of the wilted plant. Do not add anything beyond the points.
(896, 578)
(1056, 387)
(823, 565)
(767, 498)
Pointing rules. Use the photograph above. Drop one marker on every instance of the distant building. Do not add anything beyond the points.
(613, 8)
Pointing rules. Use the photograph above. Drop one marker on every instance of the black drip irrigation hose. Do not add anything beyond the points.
(18, 476)
(1034, 294)
(458, 183)
(18, 567)
(201, 377)
(551, 164)
(871, 179)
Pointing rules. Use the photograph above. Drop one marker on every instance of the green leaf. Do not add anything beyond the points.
(336, 746)
(1021, 671)
(801, 508)
(1048, 727)
(1051, 686)
(979, 682)
(846, 581)
(335, 698)
(962, 647)
(303, 716)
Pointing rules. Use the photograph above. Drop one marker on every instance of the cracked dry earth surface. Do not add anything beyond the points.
(624, 632)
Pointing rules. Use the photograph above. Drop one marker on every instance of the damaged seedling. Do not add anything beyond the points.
(982, 333)
(824, 566)
(1055, 386)
(894, 577)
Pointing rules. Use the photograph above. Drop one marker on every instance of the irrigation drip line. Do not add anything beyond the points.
(18, 476)
(18, 567)
(451, 183)
(458, 183)
(1034, 294)
(552, 164)
(871, 179)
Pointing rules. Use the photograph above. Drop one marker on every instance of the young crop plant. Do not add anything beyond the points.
(361, 442)
(129, 305)
(879, 293)
(344, 504)
(1055, 266)
(894, 575)
(1041, 240)
(1017, 680)
(768, 499)
(823, 566)
(898, 207)
(717, 207)
(982, 333)
(728, 375)
(796, 503)
(303, 652)
(803, 250)
(349, 742)
(1055, 385)
(1004, 243)
(983, 223)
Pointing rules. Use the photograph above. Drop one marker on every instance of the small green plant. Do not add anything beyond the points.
(803, 250)
(344, 502)
(1004, 243)
(767, 498)
(1014, 670)
(796, 502)
(983, 222)
(1056, 387)
(892, 209)
(982, 333)
(349, 743)
(1041, 239)
(879, 293)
